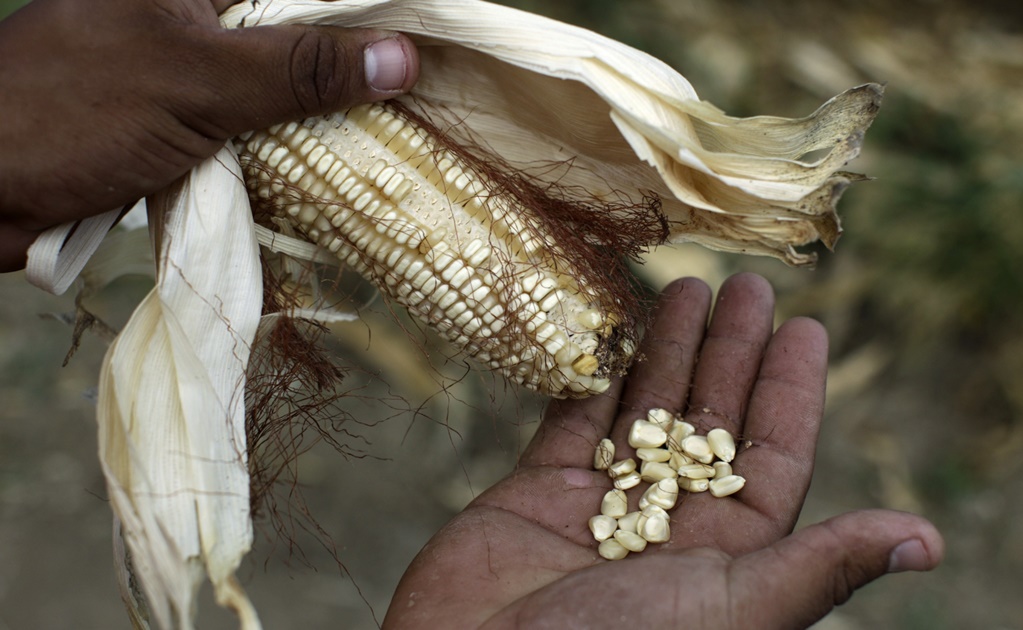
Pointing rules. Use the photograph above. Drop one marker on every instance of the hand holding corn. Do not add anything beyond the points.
(521, 555)
(105, 102)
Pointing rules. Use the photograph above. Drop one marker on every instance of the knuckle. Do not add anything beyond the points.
(316, 65)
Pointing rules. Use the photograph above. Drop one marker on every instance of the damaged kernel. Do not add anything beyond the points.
(604, 455)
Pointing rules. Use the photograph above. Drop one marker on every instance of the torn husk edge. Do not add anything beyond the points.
(171, 406)
(625, 121)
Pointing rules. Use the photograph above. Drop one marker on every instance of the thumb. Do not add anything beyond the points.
(801, 578)
(273, 74)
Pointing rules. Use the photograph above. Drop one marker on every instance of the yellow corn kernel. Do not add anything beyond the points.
(413, 218)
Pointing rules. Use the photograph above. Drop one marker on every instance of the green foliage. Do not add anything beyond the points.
(10, 6)
(939, 232)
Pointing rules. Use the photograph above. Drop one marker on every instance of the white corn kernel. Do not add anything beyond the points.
(644, 434)
(622, 468)
(602, 527)
(661, 417)
(652, 472)
(656, 529)
(726, 486)
(678, 460)
(663, 494)
(653, 454)
(615, 504)
(693, 485)
(679, 431)
(604, 454)
(625, 482)
(696, 446)
(611, 549)
(629, 521)
(696, 471)
(591, 319)
(722, 469)
(654, 510)
(722, 444)
(646, 512)
(629, 540)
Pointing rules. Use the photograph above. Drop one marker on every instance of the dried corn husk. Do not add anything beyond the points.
(171, 411)
(532, 90)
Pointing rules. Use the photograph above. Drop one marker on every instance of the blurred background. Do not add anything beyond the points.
(922, 300)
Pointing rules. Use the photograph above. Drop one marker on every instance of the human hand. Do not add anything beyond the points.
(521, 554)
(106, 101)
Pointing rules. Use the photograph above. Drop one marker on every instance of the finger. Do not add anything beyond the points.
(222, 5)
(571, 429)
(660, 377)
(251, 78)
(14, 244)
(783, 422)
(730, 356)
(799, 579)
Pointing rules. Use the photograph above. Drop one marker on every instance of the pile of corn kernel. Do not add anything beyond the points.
(673, 458)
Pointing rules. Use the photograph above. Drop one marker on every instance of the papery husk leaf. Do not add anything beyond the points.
(292, 246)
(533, 89)
(171, 406)
(125, 251)
(307, 300)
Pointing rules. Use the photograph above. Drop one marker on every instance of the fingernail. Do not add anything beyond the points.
(386, 65)
(909, 556)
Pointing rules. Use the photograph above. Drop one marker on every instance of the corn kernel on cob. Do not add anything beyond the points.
(379, 192)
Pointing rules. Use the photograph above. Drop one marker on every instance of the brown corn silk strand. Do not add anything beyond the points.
(596, 238)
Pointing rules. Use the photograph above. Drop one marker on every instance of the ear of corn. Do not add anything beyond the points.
(383, 196)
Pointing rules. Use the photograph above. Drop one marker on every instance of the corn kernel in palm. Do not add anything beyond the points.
(645, 434)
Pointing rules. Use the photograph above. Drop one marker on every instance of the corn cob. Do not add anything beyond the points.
(382, 194)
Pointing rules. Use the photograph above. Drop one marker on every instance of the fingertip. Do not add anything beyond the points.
(909, 555)
(273, 74)
(686, 285)
(682, 299)
(747, 282)
(922, 552)
(807, 331)
(750, 300)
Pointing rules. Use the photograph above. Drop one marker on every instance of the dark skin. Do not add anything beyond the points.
(521, 556)
(108, 101)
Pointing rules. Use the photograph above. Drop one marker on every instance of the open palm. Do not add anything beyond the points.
(521, 555)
